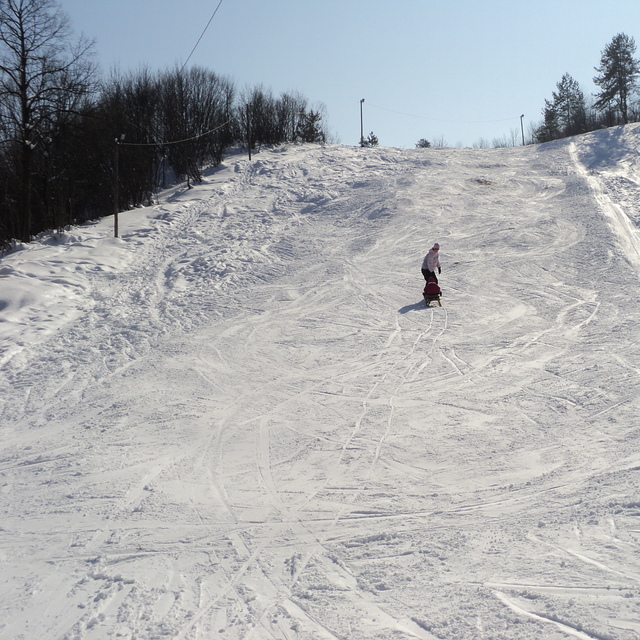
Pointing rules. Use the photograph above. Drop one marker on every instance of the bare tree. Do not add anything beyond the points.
(482, 143)
(439, 142)
(196, 108)
(290, 108)
(45, 77)
(129, 108)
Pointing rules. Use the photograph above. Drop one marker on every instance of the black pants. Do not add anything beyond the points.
(429, 274)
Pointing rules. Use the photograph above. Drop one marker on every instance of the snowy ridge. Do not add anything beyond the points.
(240, 421)
(623, 225)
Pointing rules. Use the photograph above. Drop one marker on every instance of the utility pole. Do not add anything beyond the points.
(361, 125)
(522, 128)
(116, 194)
(249, 130)
(116, 185)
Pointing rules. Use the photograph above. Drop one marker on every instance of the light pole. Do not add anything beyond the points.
(522, 128)
(361, 127)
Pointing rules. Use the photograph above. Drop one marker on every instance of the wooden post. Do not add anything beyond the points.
(248, 132)
(116, 194)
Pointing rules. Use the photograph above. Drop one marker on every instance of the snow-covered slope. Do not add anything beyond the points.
(239, 420)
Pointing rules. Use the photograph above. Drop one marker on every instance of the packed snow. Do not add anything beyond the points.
(239, 420)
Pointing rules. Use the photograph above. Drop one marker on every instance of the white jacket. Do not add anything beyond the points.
(431, 261)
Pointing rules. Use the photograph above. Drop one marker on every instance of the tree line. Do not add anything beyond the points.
(70, 139)
(568, 113)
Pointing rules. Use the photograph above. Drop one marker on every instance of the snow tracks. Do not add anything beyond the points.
(282, 442)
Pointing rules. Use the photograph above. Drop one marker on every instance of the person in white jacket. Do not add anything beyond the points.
(431, 262)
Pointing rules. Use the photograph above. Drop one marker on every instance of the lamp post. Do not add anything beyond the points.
(361, 127)
(522, 128)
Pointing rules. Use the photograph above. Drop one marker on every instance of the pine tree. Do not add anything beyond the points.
(310, 127)
(550, 129)
(617, 76)
(570, 106)
(370, 141)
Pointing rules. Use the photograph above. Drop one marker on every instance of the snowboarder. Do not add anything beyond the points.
(430, 263)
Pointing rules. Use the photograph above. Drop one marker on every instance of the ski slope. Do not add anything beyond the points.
(239, 420)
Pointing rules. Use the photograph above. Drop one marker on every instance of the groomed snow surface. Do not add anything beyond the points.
(240, 421)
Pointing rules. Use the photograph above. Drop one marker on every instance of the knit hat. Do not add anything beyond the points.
(436, 246)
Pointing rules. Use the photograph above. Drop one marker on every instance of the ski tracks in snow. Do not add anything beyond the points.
(267, 438)
(623, 223)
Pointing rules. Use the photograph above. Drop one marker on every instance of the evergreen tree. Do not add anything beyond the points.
(549, 129)
(566, 114)
(370, 141)
(569, 105)
(617, 76)
(310, 128)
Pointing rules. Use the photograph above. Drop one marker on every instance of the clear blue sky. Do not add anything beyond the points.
(457, 70)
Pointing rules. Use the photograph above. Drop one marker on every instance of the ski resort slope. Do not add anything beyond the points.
(240, 421)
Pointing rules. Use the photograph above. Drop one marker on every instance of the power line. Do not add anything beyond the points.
(201, 35)
(413, 115)
(165, 144)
